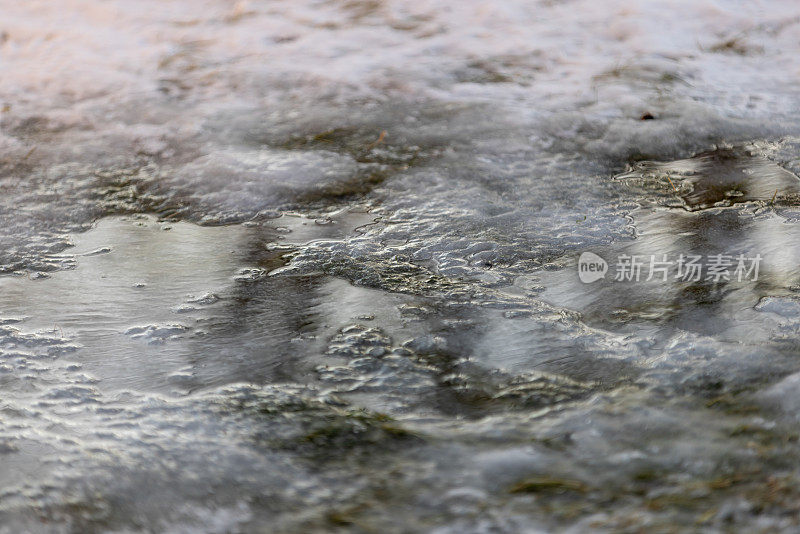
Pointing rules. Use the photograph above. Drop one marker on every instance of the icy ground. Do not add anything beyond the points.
(304, 266)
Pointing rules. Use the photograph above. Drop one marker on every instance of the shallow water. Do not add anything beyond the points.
(314, 266)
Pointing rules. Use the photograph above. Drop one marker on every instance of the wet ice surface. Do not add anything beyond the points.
(312, 265)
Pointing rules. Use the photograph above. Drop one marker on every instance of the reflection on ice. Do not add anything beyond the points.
(377, 324)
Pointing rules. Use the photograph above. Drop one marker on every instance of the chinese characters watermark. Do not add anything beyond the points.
(663, 267)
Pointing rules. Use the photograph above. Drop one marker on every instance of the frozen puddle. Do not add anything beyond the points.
(138, 372)
(434, 365)
(116, 306)
(199, 375)
(155, 306)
